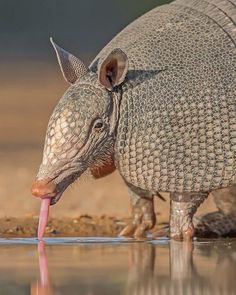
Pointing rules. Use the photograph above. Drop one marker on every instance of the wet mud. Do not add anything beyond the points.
(83, 226)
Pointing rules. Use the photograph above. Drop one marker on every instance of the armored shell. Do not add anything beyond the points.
(177, 125)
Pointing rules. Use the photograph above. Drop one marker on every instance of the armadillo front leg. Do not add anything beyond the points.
(143, 215)
(182, 208)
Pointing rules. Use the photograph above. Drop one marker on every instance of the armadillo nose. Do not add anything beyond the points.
(43, 188)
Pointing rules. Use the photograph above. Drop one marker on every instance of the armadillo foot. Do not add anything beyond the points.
(182, 209)
(137, 230)
(215, 224)
(185, 234)
(189, 233)
(143, 219)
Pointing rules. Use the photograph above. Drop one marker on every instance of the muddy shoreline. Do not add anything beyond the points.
(83, 226)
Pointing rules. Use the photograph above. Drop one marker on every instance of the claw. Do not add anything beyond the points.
(128, 231)
(189, 233)
(140, 232)
(143, 219)
(139, 226)
(184, 234)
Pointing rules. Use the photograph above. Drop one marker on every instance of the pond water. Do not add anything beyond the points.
(94, 266)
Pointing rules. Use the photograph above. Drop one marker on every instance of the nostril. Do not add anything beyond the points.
(43, 188)
(34, 190)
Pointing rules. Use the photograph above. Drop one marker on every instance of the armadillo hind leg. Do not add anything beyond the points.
(143, 214)
(222, 222)
(182, 208)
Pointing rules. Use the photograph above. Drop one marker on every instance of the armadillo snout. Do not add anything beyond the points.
(43, 188)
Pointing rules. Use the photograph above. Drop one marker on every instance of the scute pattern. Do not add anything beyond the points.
(177, 128)
(68, 126)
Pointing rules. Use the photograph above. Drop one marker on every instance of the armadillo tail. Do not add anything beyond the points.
(215, 224)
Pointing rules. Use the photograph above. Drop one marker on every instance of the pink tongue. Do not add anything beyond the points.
(43, 217)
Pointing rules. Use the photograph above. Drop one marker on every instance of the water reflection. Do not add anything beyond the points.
(43, 286)
(193, 269)
(151, 268)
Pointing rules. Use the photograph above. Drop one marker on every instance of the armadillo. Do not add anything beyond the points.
(157, 104)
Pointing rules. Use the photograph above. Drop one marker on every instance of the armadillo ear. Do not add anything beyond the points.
(72, 68)
(112, 71)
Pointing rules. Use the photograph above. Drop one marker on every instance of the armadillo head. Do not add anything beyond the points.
(81, 131)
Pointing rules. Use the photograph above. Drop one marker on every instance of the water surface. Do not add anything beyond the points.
(95, 266)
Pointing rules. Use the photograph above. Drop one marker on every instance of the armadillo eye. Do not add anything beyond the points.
(98, 125)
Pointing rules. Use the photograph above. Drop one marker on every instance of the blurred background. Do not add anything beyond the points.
(31, 84)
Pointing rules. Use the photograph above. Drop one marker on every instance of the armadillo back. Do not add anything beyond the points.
(177, 127)
(222, 12)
